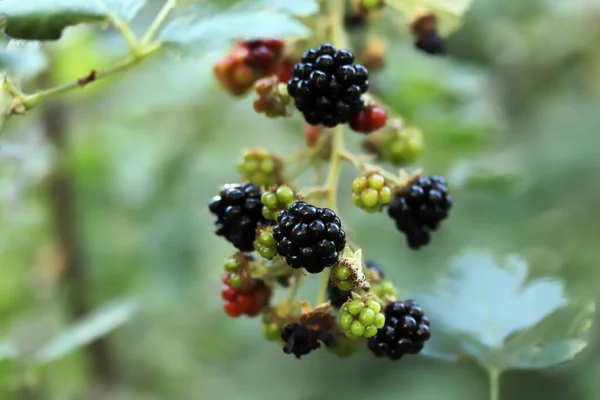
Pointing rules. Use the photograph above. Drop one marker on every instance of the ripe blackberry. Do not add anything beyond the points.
(238, 213)
(309, 237)
(327, 86)
(405, 331)
(431, 43)
(301, 340)
(420, 208)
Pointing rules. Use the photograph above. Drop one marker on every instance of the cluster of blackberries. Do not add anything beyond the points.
(237, 211)
(405, 331)
(327, 87)
(301, 340)
(309, 237)
(420, 208)
(338, 297)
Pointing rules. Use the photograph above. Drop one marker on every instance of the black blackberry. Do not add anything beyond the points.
(301, 340)
(309, 237)
(237, 211)
(405, 331)
(327, 86)
(420, 208)
(431, 43)
(338, 297)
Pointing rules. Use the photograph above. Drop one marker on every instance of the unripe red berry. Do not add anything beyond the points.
(369, 120)
(312, 134)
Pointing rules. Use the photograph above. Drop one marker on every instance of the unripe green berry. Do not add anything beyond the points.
(370, 331)
(344, 285)
(260, 167)
(232, 264)
(355, 307)
(402, 145)
(379, 321)
(370, 5)
(285, 194)
(266, 238)
(267, 252)
(366, 316)
(235, 281)
(371, 192)
(343, 273)
(373, 305)
(346, 320)
(357, 329)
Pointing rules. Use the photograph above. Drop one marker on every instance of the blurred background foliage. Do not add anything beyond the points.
(119, 174)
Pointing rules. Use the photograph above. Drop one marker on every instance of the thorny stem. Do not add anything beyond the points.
(158, 22)
(494, 379)
(338, 38)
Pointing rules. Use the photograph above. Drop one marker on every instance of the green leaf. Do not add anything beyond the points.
(96, 325)
(485, 308)
(495, 173)
(202, 28)
(125, 9)
(45, 20)
(22, 59)
(449, 13)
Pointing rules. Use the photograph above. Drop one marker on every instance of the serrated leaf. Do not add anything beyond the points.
(449, 13)
(485, 308)
(96, 325)
(203, 28)
(45, 20)
(23, 59)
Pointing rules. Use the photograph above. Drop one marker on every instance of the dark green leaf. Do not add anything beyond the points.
(202, 28)
(96, 325)
(45, 20)
(488, 310)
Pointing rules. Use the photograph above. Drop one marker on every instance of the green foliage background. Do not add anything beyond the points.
(516, 103)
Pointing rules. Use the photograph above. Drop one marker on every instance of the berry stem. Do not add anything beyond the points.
(295, 284)
(323, 289)
(361, 164)
(31, 100)
(494, 378)
(158, 22)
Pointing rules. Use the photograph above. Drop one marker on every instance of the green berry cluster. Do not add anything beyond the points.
(371, 192)
(265, 244)
(342, 277)
(275, 319)
(260, 167)
(361, 318)
(401, 146)
(235, 269)
(275, 200)
(384, 289)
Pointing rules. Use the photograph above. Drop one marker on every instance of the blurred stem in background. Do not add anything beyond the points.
(62, 200)
(494, 378)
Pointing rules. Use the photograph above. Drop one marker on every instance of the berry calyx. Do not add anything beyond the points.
(301, 340)
(277, 199)
(309, 237)
(260, 167)
(345, 276)
(405, 331)
(249, 299)
(237, 211)
(371, 192)
(265, 244)
(327, 86)
(361, 318)
(368, 120)
(420, 208)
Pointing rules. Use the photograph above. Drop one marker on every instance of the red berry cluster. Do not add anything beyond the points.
(368, 120)
(250, 61)
(249, 299)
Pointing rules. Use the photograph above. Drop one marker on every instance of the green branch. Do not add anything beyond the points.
(159, 21)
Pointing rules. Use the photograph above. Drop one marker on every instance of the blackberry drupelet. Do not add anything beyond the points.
(420, 208)
(338, 297)
(327, 86)
(238, 213)
(309, 237)
(405, 331)
(301, 340)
